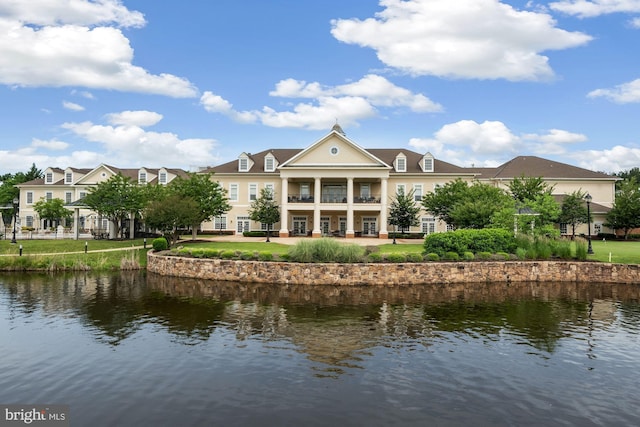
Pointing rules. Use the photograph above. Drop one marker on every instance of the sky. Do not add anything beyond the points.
(195, 83)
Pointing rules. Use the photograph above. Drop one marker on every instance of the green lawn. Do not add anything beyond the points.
(273, 247)
(621, 252)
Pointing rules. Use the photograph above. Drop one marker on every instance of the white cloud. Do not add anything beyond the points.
(74, 43)
(348, 103)
(635, 22)
(615, 159)
(72, 106)
(127, 144)
(491, 143)
(589, 9)
(53, 144)
(622, 94)
(83, 93)
(482, 39)
(134, 118)
(77, 12)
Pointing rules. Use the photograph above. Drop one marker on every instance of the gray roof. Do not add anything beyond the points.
(537, 166)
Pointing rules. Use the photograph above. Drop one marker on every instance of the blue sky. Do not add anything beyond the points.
(195, 83)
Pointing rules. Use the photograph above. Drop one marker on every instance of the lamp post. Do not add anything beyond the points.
(15, 216)
(588, 199)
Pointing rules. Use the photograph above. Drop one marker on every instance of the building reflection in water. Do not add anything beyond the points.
(334, 326)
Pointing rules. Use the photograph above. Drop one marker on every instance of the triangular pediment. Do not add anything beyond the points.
(97, 175)
(334, 150)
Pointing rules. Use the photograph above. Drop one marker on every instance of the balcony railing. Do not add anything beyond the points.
(331, 198)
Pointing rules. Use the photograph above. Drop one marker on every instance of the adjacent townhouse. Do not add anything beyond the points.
(335, 187)
(72, 185)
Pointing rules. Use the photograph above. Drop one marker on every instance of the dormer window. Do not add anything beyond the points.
(401, 163)
(49, 178)
(68, 178)
(269, 163)
(142, 177)
(244, 163)
(427, 163)
(162, 178)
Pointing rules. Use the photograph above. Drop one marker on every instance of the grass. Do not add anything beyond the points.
(58, 255)
(38, 253)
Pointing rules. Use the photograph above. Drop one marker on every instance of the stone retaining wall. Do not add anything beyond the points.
(393, 274)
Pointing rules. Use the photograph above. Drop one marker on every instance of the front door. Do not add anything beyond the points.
(369, 226)
(243, 223)
(300, 226)
(324, 225)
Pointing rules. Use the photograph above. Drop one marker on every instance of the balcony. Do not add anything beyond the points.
(332, 198)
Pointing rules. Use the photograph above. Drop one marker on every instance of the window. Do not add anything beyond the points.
(428, 225)
(334, 151)
(29, 197)
(243, 165)
(305, 191)
(220, 223)
(563, 228)
(67, 197)
(29, 221)
(427, 163)
(162, 177)
(48, 196)
(233, 192)
(142, 178)
(417, 192)
(68, 178)
(365, 191)
(253, 192)
(401, 189)
(269, 164)
(82, 194)
(401, 164)
(49, 177)
(270, 189)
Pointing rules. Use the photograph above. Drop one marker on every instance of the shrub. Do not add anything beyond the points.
(561, 249)
(581, 249)
(371, 249)
(432, 257)
(468, 256)
(502, 256)
(350, 253)
(375, 257)
(414, 257)
(483, 255)
(325, 250)
(246, 255)
(521, 253)
(228, 254)
(301, 251)
(468, 240)
(451, 256)
(160, 244)
(265, 256)
(396, 257)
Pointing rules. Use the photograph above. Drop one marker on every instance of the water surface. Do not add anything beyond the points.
(133, 350)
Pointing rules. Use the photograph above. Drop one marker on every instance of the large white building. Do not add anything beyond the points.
(332, 187)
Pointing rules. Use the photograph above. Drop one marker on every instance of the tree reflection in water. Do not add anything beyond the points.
(334, 326)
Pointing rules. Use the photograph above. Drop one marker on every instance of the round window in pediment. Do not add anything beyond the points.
(334, 150)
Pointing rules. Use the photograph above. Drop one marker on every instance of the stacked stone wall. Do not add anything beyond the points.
(389, 274)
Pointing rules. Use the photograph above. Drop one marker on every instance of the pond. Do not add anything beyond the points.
(135, 350)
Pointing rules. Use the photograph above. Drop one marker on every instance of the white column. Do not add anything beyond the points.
(350, 232)
(317, 194)
(284, 210)
(382, 229)
(132, 227)
(76, 223)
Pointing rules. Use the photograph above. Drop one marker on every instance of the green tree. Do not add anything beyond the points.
(209, 195)
(527, 188)
(52, 210)
(265, 210)
(116, 199)
(573, 211)
(626, 175)
(625, 213)
(536, 194)
(8, 182)
(468, 206)
(404, 212)
(170, 214)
